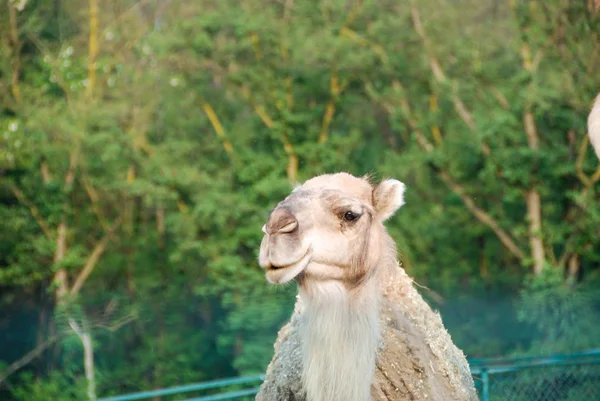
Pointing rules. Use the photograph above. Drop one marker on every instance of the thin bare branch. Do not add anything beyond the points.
(73, 162)
(216, 124)
(482, 216)
(117, 324)
(334, 92)
(45, 172)
(500, 98)
(350, 34)
(95, 199)
(35, 213)
(26, 359)
(92, 260)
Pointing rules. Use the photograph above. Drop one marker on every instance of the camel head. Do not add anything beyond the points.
(330, 228)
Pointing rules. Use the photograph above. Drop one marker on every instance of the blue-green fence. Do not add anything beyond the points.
(226, 389)
(573, 377)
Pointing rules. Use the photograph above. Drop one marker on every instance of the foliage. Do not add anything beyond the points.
(560, 312)
(137, 170)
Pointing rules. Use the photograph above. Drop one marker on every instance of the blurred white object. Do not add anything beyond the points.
(594, 126)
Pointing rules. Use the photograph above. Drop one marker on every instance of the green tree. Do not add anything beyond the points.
(142, 144)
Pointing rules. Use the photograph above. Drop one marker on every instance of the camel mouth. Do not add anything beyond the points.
(281, 274)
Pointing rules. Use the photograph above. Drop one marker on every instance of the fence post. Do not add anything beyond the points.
(486, 384)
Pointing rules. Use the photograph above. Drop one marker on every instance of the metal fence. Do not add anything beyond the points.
(573, 377)
(225, 389)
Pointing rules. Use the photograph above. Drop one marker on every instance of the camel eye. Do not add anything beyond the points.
(349, 216)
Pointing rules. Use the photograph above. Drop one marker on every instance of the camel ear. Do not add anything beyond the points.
(388, 196)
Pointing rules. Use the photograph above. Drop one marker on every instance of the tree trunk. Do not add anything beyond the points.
(93, 48)
(90, 375)
(88, 356)
(417, 359)
(573, 268)
(60, 278)
(15, 46)
(534, 202)
(534, 215)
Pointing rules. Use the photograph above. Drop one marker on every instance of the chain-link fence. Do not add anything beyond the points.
(574, 377)
(558, 378)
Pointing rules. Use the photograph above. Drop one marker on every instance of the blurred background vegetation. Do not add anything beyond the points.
(143, 142)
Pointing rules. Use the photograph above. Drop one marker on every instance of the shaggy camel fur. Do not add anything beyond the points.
(360, 331)
(594, 126)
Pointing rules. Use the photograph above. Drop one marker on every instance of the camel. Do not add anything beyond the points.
(594, 126)
(360, 331)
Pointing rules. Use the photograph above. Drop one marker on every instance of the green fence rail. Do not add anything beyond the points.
(572, 377)
(222, 384)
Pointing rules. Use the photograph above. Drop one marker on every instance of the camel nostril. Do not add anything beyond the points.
(281, 221)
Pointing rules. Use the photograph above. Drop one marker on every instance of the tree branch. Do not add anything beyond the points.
(33, 210)
(15, 53)
(73, 161)
(578, 210)
(292, 165)
(26, 359)
(288, 147)
(93, 195)
(481, 215)
(92, 260)
(334, 92)
(587, 181)
(334, 86)
(456, 188)
(532, 195)
(216, 124)
(436, 68)
(88, 356)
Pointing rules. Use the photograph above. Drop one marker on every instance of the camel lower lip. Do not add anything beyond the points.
(280, 274)
(273, 267)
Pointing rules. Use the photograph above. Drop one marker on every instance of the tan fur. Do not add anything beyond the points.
(594, 126)
(339, 265)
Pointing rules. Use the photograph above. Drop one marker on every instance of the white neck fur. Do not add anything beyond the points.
(340, 335)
